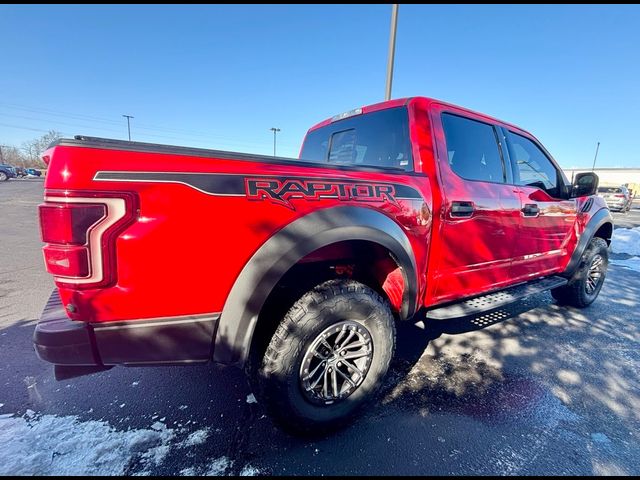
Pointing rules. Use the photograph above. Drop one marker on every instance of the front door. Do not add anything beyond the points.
(547, 220)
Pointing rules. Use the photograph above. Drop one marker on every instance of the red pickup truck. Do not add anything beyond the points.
(299, 269)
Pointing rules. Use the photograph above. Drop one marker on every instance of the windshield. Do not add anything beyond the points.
(377, 139)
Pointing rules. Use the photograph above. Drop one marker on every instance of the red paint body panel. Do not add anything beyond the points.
(185, 247)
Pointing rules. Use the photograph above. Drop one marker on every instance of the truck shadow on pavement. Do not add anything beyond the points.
(528, 382)
(590, 354)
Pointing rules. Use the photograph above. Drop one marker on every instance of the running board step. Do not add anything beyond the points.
(495, 300)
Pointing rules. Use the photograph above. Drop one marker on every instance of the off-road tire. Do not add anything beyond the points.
(577, 292)
(279, 376)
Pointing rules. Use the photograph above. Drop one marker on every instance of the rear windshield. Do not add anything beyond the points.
(377, 139)
(609, 190)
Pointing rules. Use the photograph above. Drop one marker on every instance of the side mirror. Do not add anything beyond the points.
(584, 184)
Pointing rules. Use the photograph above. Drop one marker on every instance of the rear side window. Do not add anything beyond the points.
(472, 149)
(377, 139)
(532, 167)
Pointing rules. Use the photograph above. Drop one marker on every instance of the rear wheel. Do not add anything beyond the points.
(3, 177)
(585, 285)
(328, 357)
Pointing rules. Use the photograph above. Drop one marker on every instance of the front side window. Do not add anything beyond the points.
(472, 149)
(532, 167)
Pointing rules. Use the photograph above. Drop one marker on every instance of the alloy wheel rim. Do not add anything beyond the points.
(594, 275)
(336, 363)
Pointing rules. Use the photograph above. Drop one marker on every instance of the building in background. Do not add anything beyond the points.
(613, 177)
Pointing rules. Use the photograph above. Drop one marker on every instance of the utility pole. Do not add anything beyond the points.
(392, 50)
(128, 117)
(596, 157)
(275, 131)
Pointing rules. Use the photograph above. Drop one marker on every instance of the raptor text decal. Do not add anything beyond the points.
(281, 191)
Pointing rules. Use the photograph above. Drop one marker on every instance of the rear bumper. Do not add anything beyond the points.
(159, 341)
(616, 204)
(63, 342)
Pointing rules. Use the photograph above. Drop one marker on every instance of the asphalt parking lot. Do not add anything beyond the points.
(532, 389)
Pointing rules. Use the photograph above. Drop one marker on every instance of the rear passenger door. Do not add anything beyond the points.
(547, 219)
(481, 209)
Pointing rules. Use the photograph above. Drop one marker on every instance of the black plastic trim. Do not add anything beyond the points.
(165, 341)
(601, 217)
(159, 341)
(494, 300)
(63, 342)
(284, 249)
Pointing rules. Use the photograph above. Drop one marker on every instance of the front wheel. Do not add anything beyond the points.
(328, 357)
(585, 285)
(3, 177)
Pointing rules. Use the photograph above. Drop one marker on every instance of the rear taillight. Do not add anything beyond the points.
(69, 223)
(67, 261)
(79, 230)
(619, 195)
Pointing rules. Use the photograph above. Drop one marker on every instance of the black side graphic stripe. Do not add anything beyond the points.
(225, 184)
(212, 183)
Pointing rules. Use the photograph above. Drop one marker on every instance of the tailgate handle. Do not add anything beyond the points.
(530, 210)
(462, 209)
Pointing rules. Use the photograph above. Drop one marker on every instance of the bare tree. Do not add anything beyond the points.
(11, 156)
(33, 149)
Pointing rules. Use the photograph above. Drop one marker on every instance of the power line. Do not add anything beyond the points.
(58, 122)
(26, 128)
(203, 141)
(78, 121)
(220, 146)
(140, 126)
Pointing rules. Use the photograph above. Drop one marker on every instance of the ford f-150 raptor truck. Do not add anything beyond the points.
(299, 269)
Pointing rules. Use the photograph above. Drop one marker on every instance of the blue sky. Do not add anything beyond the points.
(221, 76)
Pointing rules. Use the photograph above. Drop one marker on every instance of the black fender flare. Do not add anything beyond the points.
(285, 248)
(601, 217)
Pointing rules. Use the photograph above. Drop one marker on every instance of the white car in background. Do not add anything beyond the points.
(617, 198)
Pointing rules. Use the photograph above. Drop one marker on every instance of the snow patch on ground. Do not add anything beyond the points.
(249, 471)
(37, 444)
(197, 438)
(52, 445)
(626, 240)
(632, 263)
(251, 398)
(217, 467)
